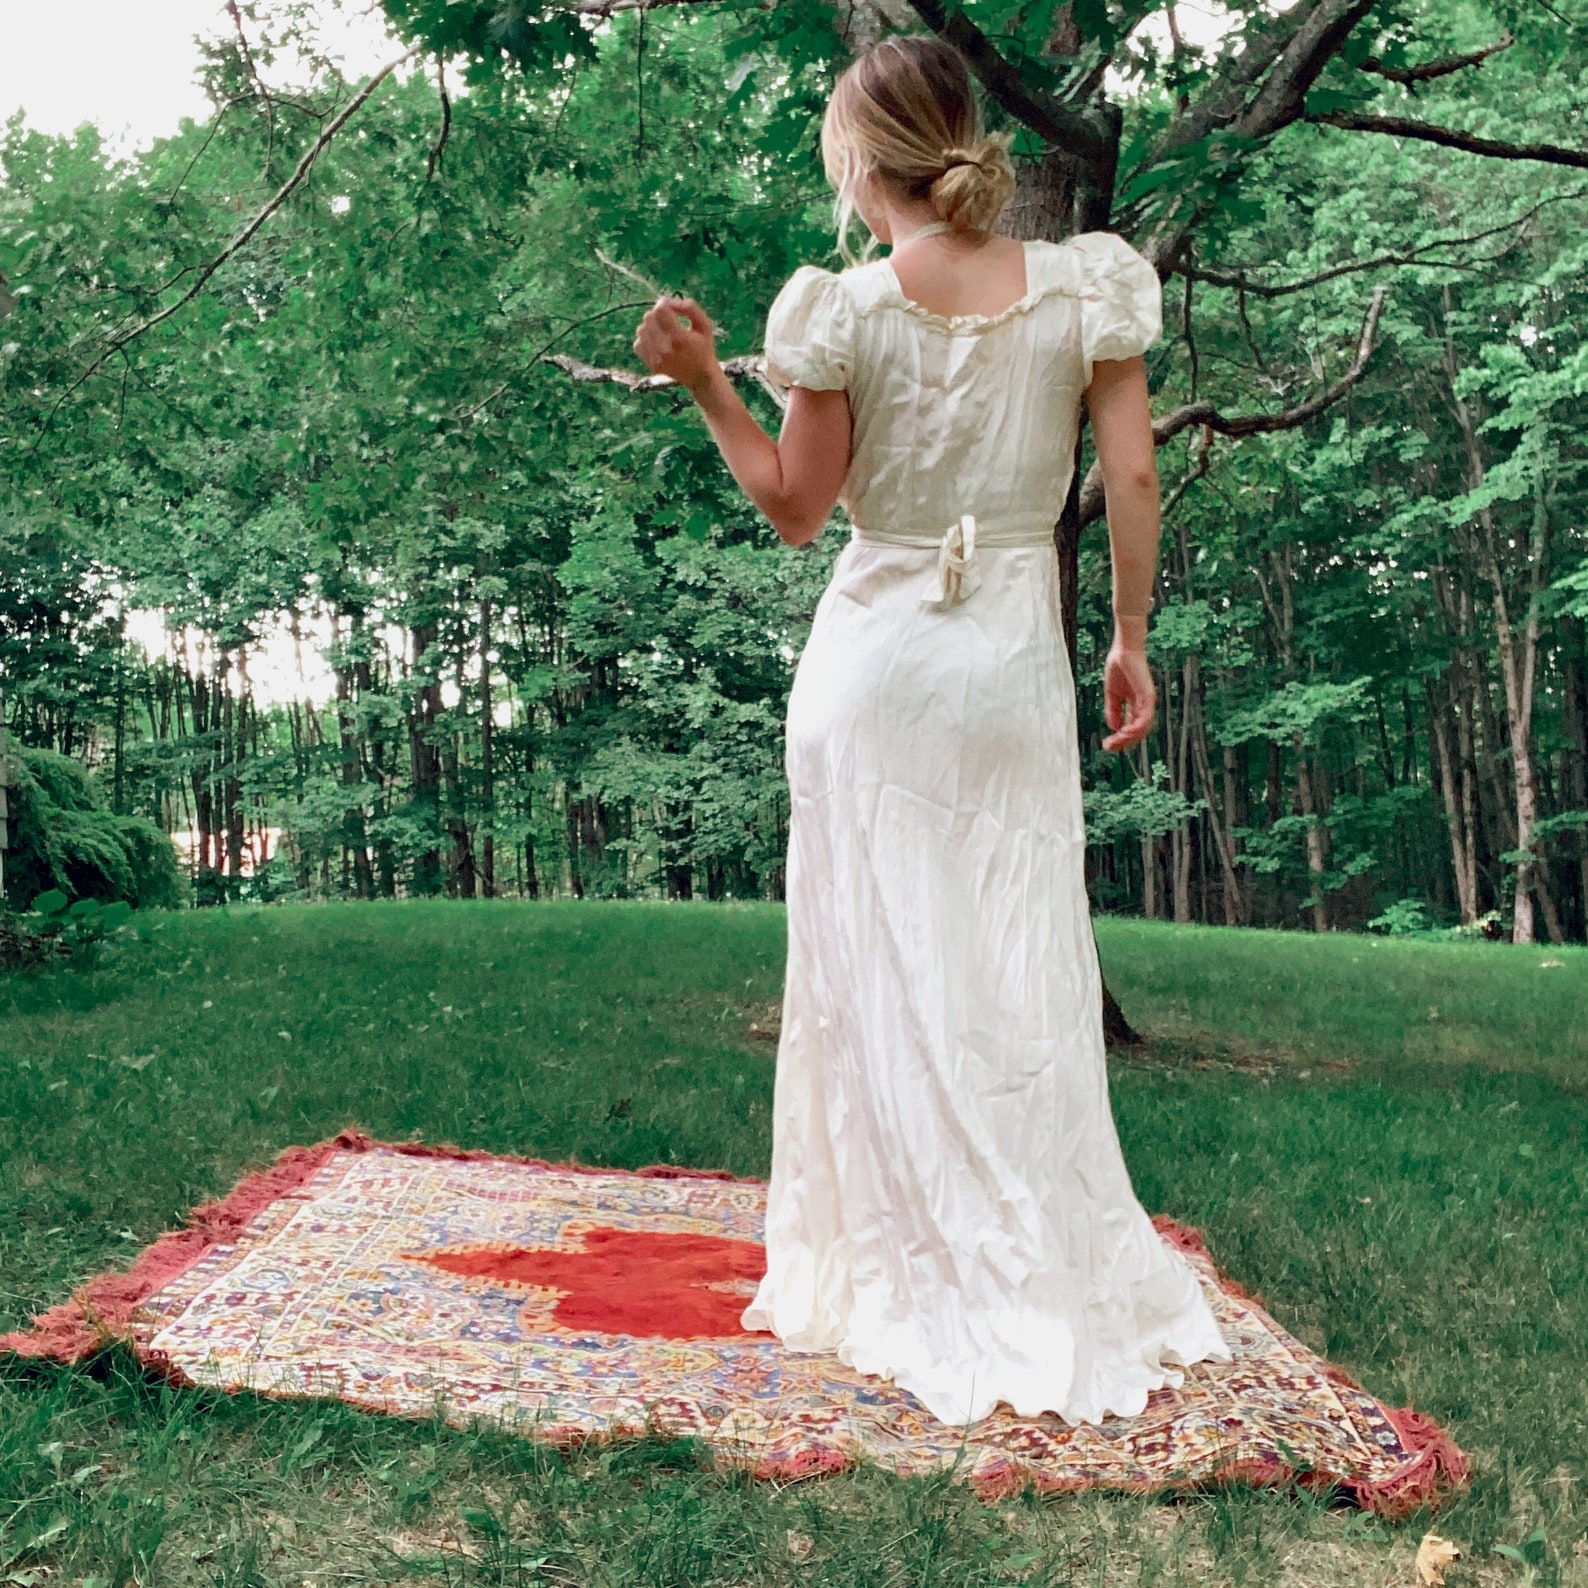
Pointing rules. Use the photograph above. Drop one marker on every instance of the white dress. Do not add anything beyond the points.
(948, 1205)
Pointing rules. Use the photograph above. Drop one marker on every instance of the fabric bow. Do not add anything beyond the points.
(958, 575)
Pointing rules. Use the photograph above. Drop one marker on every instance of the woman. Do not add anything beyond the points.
(948, 1204)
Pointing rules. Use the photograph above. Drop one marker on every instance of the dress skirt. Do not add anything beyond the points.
(948, 1204)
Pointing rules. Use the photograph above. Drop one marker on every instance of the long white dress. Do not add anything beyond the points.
(948, 1205)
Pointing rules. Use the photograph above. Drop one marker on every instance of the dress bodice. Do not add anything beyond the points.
(964, 413)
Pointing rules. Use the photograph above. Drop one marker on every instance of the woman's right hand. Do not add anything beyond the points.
(677, 339)
(1129, 696)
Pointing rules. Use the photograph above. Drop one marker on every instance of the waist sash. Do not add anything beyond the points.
(958, 574)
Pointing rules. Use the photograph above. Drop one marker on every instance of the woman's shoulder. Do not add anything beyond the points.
(847, 295)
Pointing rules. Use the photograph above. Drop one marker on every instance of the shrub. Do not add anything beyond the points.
(63, 838)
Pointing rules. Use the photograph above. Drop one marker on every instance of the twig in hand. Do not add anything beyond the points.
(635, 276)
(629, 271)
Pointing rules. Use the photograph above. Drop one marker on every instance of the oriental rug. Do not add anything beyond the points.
(571, 1303)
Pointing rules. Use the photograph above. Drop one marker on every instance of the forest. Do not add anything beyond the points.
(346, 368)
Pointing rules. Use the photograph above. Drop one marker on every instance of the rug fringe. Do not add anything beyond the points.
(1439, 1468)
(102, 1310)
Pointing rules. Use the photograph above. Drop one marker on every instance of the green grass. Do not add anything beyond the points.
(1406, 1188)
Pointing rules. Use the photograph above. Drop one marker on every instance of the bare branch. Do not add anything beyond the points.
(608, 8)
(1432, 69)
(746, 366)
(246, 51)
(465, 415)
(629, 271)
(1198, 470)
(1239, 281)
(1066, 129)
(1453, 138)
(241, 240)
(1092, 504)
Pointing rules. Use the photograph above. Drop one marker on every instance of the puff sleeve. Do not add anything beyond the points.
(1121, 299)
(810, 331)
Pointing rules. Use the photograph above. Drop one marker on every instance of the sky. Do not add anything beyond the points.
(129, 64)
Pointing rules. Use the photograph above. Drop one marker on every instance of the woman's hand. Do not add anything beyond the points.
(1129, 697)
(683, 349)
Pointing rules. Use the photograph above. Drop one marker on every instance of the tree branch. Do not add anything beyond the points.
(434, 157)
(1452, 138)
(1062, 127)
(1240, 282)
(1282, 97)
(745, 366)
(609, 8)
(1432, 69)
(1286, 57)
(1092, 505)
(241, 240)
(1192, 475)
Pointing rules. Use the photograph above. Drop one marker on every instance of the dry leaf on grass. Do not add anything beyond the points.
(441, 1542)
(1435, 1556)
(799, 1545)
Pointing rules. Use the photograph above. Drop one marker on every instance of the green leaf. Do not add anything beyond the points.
(47, 1534)
(480, 1519)
(50, 903)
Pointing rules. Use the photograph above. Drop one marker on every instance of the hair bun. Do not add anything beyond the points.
(975, 183)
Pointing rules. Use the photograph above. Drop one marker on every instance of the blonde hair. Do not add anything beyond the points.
(905, 112)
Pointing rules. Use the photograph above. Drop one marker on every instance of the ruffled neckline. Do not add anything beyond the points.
(894, 298)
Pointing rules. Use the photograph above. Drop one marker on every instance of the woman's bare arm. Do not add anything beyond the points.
(1126, 453)
(794, 480)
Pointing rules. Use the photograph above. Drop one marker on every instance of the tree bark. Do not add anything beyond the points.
(1574, 755)
(351, 771)
(424, 757)
(487, 759)
(1463, 860)
(1317, 834)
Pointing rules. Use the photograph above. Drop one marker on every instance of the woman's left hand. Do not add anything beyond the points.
(676, 339)
(1129, 697)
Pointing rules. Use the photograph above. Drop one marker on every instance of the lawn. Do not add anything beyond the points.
(1385, 1139)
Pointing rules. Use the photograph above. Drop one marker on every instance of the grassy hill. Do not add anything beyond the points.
(1383, 1138)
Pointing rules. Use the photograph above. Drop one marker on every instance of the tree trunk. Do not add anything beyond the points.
(1181, 837)
(1236, 795)
(487, 759)
(1317, 836)
(1518, 665)
(1462, 857)
(424, 757)
(351, 772)
(464, 878)
(1220, 828)
(1574, 754)
(235, 737)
